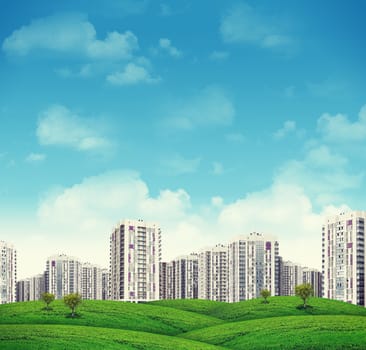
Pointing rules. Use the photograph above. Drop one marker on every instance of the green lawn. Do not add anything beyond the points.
(81, 337)
(185, 324)
(289, 332)
(108, 314)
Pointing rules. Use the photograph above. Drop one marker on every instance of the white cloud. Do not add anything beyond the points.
(166, 45)
(131, 75)
(35, 157)
(177, 165)
(218, 168)
(219, 55)
(242, 24)
(288, 127)
(217, 201)
(323, 174)
(59, 126)
(69, 34)
(211, 106)
(339, 128)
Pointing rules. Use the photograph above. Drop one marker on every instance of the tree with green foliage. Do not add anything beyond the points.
(72, 300)
(265, 293)
(304, 291)
(48, 298)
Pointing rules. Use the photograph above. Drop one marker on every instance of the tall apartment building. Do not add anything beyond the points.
(314, 277)
(135, 254)
(343, 257)
(91, 282)
(23, 290)
(213, 273)
(105, 284)
(63, 275)
(253, 266)
(8, 273)
(163, 281)
(182, 277)
(291, 275)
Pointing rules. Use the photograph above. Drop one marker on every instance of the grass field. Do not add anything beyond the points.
(185, 324)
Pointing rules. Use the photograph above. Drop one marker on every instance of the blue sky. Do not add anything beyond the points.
(212, 118)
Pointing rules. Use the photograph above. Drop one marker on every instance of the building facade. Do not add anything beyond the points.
(182, 277)
(105, 284)
(8, 273)
(163, 280)
(213, 273)
(63, 275)
(252, 266)
(343, 257)
(291, 275)
(135, 254)
(23, 290)
(315, 278)
(91, 282)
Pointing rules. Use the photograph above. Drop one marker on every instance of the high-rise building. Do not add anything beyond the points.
(8, 273)
(105, 284)
(343, 257)
(213, 273)
(291, 276)
(163, 282)
(36, 287)
(63, 275)
(135, 254)
(182, 277)
(252, 266)
(313, 277)
(91, 282)
(23, 290)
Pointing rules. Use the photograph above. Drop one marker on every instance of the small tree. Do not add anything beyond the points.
(265, 293)
(72, 300)
(48, 298)
(304, 291)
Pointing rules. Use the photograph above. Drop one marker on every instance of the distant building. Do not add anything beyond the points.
(91, 282)
(163, 282)
(182, 277)
(105, 284)
(36, 287)
(8, 273)
(213, 273)
(314, 277)
(135, 253)
(252, 266)
(291, 276)
(23, 290)
(63, 275)
(343, 257)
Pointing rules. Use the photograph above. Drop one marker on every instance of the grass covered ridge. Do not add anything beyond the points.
(185, 324)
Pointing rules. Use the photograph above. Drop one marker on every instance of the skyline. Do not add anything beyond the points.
(211, 119)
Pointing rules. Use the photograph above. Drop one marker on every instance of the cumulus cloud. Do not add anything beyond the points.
(59, 126)
(69, 34)
(339, 128)
(243, 24)
(166, 45)
(131, 75)
(35, 157)
(211, 106)
(288, 127)
(323, 173)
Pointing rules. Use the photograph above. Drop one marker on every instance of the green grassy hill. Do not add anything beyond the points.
(185, 324)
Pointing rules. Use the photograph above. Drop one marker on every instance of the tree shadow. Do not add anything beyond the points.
(47, 308)
(77, 315)
(308, 308)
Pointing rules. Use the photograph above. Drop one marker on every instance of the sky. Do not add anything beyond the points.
(211, 118)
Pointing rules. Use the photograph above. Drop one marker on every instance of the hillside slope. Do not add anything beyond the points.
(185, 324)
